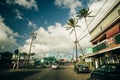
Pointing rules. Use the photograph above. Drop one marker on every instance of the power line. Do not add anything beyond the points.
(80, 48)
(91, 21)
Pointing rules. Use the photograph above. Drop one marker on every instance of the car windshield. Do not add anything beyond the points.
(109, 68)
(82, 66)
(54, 64)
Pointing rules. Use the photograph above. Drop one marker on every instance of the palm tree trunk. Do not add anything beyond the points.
(76, 44)
(76, 52)
(87, 25)
(81, 49)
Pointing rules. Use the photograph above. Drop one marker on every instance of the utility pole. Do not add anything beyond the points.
(34, 34)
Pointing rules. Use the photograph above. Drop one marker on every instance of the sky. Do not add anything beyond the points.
(48, 18)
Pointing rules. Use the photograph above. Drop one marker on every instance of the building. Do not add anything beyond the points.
(105, 39)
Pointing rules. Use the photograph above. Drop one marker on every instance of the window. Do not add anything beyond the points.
(111, 68)
(107, 68)
(101, 69)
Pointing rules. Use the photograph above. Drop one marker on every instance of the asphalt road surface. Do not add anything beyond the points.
(44, 74)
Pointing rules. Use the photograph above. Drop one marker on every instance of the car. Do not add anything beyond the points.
(106, 72)
(81, 68)
(54, 66)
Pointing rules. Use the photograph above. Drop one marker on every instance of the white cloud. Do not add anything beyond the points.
(70, 4)
(100, 9)
(7, 37)
(18, 14)
(29, 4)
(56, 38)
(31, 24)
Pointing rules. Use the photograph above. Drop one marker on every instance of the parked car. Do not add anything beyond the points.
(106, 72)
(81, 68)
(54, 66)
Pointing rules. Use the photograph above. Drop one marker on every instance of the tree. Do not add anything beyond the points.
(32, 54)
(84, 13)
(23, 54)
(6, 60)
(72, 24)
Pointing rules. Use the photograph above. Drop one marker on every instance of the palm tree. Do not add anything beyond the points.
(72, 24)
(32, 54)
(24, 55)
(84, 13)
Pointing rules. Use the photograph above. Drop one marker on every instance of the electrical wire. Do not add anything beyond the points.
(81, 48)
(91, 21)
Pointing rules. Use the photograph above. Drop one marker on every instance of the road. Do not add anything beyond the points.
(44, 74)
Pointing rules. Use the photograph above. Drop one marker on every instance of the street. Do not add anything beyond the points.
(44, 74)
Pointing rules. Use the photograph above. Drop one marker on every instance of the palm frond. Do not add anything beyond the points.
(71, 31)
(71, 22)
(67, 28)
(76, 21)
(83, 13)
(78, 26)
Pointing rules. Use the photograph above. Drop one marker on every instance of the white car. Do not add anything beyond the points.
(54, 66)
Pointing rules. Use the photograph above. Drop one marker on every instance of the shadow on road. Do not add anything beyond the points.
(18, 75)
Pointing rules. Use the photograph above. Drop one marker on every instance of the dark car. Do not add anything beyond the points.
(106, 72)
(81, 68)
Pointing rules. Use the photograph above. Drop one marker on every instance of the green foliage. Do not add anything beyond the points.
(84, 12)
(72, 24)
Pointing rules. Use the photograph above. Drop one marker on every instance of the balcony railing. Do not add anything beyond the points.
(99, 46)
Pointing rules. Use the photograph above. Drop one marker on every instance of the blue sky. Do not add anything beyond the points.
(18, 18)
(46, 14)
